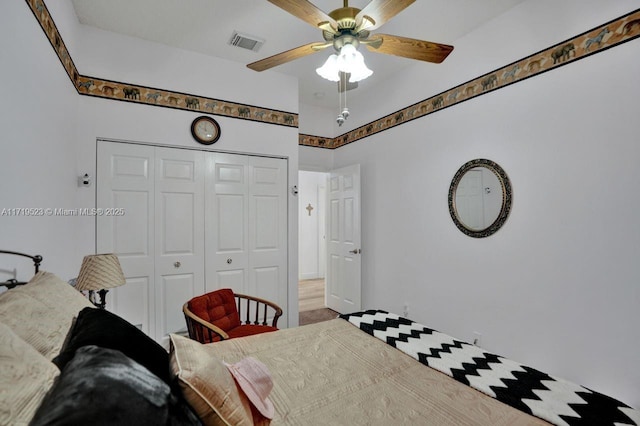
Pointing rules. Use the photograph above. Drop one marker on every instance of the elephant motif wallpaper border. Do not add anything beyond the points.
(158, 97)
(127, 92)
(605, 36)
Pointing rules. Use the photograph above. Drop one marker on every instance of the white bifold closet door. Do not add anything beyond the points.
(246, 226)
(193, 222)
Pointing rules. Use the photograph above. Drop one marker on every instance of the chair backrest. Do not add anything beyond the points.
(218, 307)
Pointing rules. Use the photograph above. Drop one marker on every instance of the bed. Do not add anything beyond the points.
(366, 368)
(374, 367)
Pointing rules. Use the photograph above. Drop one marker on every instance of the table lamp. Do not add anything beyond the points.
(99, 273)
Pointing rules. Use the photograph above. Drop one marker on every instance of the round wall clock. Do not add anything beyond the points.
(205, 130)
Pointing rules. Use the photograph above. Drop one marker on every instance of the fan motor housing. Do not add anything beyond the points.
(345, 17)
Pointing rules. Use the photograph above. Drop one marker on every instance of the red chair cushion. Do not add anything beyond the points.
(218, 308)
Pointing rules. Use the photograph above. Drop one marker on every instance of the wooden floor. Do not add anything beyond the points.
(311, 295)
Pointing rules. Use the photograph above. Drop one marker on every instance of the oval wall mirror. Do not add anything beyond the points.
(480, 198)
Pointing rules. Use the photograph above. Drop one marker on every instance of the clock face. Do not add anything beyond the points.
(205, 130)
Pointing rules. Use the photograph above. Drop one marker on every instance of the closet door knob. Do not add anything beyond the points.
(229, 261)
(177, 264)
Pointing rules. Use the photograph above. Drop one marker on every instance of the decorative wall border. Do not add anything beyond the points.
(108, 89)
(45, 20)
(601, 38)
(159, 97)
(316, 141)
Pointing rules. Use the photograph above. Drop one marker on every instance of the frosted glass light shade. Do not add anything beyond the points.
(346, 57)
(359, 70)
(348, 60)
(329, 70)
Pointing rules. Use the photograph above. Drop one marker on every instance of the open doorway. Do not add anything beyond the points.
(311, 240)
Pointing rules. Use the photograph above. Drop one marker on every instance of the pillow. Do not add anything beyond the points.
(101, 386)
(40, 312)
(207, 384)
(25, 378)
(107, 330)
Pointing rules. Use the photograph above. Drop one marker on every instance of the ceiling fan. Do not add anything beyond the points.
(351, 26)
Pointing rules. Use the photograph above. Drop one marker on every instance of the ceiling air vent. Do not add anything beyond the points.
(246, 41)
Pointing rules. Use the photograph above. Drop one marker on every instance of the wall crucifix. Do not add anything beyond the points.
(309, 208)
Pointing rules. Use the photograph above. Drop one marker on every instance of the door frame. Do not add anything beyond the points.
(328, 172)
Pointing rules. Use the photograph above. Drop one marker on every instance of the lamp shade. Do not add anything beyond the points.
(100, 271)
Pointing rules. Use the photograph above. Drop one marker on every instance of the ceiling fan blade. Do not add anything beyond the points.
(289, 55)
(306, 11)
(381, 11)
(409, 48)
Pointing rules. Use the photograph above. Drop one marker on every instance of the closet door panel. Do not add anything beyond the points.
(230, 211)
(179, 248)
(226, 221)
(125, 179)
(234, 279)
(132, 301)
(268, 229)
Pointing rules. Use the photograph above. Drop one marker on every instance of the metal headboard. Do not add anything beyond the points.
(37, 259)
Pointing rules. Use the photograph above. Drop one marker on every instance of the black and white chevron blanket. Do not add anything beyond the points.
(550, 398)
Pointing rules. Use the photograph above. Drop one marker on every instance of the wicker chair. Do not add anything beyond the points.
(217, 316)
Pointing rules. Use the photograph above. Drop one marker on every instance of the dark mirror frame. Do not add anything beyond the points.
(506, 198)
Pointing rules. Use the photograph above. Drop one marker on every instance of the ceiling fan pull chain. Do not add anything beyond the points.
(341, 111)
(345, 110)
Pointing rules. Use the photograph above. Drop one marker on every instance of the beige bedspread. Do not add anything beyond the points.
(331, 373)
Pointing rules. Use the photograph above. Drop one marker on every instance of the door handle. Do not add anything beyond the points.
(355, 251)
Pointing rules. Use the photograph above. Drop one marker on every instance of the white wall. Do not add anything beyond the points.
(49, 158)
(38, 164)
(99, 118)
(557, 287)
(317, 121)
(315, 159)
(127, 59)
(531, 26)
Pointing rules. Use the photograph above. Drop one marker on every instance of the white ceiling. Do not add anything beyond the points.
(206, 26)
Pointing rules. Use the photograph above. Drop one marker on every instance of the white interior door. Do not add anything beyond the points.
(469, 199)
(125, 179)
(322, 228)
(179, 240)
(226, 222)
(343, 283)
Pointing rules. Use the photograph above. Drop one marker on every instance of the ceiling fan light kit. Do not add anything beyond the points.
(345, 29)
(348, 60)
